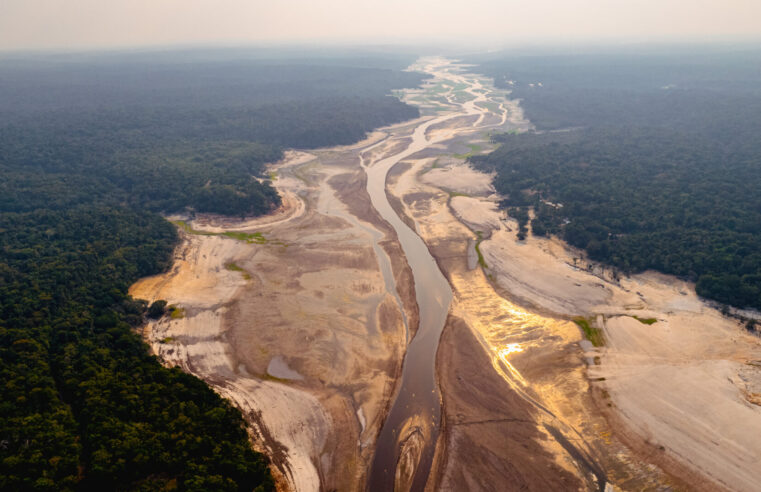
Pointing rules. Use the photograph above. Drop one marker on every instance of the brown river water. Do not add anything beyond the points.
(417, 407)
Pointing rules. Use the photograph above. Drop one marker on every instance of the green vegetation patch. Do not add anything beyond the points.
(440, 88)
(453, 194)
(176, 312)
(435, 165)
(592, 334)
(441, 101)
(187, 228)
(463, 96)
(481, 260)
(249, 237)
(646, 321)
(252, 237)
(474, 149)
(235, 268)
(492, 107)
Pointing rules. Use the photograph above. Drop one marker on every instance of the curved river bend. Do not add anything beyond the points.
(417, 407)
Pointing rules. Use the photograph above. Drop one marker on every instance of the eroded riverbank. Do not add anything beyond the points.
(295, 321)
(304, 320)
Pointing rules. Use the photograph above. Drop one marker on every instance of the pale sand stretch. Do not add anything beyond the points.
(683, 384)
(690, 383)
(203, 287)
(686, 383)
(251, 309)
(544, 382)
(258, 312)
(536, 429)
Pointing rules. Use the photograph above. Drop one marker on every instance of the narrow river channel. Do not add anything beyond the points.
(417, 407)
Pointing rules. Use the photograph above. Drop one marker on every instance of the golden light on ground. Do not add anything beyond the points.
(504, 327)
(509, 349)
(502, 355)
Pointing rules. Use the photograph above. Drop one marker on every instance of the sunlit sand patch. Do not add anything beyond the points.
(506, 329)
(510, 348)
(678, 383)
(323, 325)
(517, 340)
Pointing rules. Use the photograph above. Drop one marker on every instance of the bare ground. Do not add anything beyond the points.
(533, 366)
(527, 403)
(310, 297)
(680, 394)
(491, 440)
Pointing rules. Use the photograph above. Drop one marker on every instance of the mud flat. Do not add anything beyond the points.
(408, 439)
(676, 383)
(670, 400)
(518, 408)
(679, 381)
(304, 318)
(293, 319)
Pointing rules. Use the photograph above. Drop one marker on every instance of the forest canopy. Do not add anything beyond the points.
(92, 149)
(646, 162)
(173, 134)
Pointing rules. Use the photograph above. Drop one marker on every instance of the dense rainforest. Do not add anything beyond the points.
(646, 161)
(92, 149)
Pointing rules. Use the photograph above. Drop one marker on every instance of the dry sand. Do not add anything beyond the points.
(529, 381)
(309, 304)
(303, 332)
(491, 441)
(684, 386)
(200, 284)
(306, 335)
(684, 391)
(460, 178)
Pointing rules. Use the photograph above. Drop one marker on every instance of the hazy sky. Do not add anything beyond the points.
(73, 24)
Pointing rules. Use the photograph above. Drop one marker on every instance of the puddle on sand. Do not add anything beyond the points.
(278, 368)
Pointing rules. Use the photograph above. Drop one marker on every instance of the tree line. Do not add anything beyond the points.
(659, 171)
(86, 174)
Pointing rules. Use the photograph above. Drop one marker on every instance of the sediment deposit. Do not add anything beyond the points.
(303, 319)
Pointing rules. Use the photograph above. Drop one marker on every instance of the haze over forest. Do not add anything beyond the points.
(93, 24)
(380, 245)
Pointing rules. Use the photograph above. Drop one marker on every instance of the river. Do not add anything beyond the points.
(417, 407)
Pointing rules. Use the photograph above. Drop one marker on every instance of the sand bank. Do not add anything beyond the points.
(305, 330)
(285, 300)
(686, 386)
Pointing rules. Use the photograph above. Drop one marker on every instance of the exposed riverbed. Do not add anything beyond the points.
(370, 345)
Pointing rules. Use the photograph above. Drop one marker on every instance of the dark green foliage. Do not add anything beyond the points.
(703, 87)
(50, 166)
(82, 404)
(89, 153)
(679, 195)
(521, 215)
(645, 199)
(175, 81)
(157, 309)
(170, 136)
